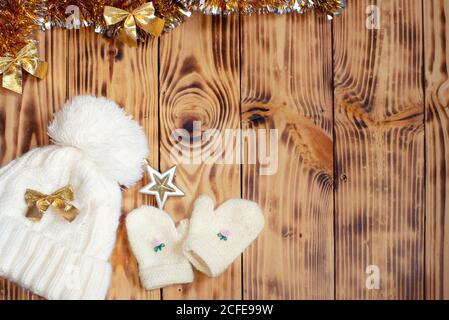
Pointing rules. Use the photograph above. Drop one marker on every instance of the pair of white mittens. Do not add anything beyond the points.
(210, 241)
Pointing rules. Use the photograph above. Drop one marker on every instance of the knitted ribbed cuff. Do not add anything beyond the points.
(156, 277)
(205, 256)
(47, 268)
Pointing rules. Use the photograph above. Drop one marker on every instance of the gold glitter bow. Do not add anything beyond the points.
(39, 203)
(144, 17)
(28, 59)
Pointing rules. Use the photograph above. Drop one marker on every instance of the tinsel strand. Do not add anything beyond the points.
(18, 22)
(20, 18)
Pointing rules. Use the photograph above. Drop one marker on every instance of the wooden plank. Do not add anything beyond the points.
(199, 79)
(379, 143)
(24, 118)
(436, 34)
(128, 76)
(287, 85)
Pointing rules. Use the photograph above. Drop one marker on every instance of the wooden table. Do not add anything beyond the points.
(363, 163)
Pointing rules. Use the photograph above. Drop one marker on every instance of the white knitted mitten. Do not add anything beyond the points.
(217, 238)
(157, 245)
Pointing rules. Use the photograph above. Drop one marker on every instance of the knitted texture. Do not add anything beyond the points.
(157, 245)
(55, 258)
(216, 238)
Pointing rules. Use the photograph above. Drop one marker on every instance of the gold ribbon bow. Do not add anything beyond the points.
(38, 203)
(144, 17)
(28, 59)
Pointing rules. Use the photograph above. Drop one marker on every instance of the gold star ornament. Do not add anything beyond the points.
(161, 185)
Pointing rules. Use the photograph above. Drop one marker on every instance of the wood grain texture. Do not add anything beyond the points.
(275, 72)
(379, 144)
(436, 35)
(199, 79)
(24, 118)
(127, 76)
(287, 85)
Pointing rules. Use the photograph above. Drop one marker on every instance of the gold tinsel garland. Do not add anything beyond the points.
(19, 19)
(55, 12)
(223, 7)
(17, 23)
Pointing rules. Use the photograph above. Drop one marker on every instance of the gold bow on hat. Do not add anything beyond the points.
(144, 17)
(28, 59)
(38, 203)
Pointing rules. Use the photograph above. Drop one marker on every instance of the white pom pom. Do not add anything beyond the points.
(105, 133)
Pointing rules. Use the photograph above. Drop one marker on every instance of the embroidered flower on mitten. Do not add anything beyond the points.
(224, 234)
(158, 245)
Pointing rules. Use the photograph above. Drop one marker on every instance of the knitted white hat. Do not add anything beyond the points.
(97, 147)
(157, 245)
(216, 238)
